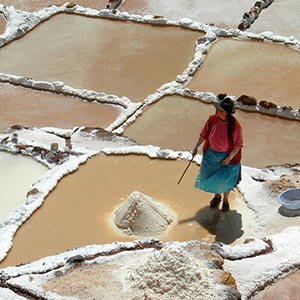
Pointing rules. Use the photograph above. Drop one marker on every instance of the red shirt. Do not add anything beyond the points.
(218, 136)
(214, 132)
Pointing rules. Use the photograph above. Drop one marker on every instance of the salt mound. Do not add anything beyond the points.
(172, 273)
(142, 215)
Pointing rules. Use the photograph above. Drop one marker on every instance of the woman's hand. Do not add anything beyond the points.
(199, 142)
(226, 161)
(195, 150)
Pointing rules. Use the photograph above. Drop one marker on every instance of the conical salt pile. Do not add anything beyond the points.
(142, 215)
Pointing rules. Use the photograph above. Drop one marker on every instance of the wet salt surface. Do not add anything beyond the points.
(89, 197)
(40, 109)
(122, 69)
(17, 174)
(251, 68)
(165, 124)
(204, 11)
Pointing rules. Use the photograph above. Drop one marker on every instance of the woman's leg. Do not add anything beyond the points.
(225, 205)
(215, 200)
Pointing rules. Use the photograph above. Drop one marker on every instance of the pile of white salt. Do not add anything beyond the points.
(141, 215)
(172, 273)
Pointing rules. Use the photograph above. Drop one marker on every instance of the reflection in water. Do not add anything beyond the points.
(227, 227)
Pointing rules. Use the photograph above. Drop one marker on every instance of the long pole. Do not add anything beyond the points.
(186, 169)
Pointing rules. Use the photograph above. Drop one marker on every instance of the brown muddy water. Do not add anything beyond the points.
(96, 54)
(266, 71)
(174, 123)
(81, 208)
(29, 107)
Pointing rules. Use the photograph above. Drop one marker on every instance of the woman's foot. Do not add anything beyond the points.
(215, 201)
(225, 206)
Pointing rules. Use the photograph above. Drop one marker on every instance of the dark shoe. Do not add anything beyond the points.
(225, 206)
(215, 201)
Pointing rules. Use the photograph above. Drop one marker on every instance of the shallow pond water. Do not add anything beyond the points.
(109, 63)
(80, 210)
(17, 175)
(174, 123)
(2, 24)
(34, 5)
(281, 17)
(266, 71)
(41, 109)
(287, 289)
(226, 13)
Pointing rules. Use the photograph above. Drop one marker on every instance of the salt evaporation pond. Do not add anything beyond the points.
(29, 107)
(17, 175)
(2, 24)
(280, 18)
(83, 204)
(134, 70)
(266, 71)
(170, 128)
(205, 11)
(34, 5)
(69, 203)
(286, 288)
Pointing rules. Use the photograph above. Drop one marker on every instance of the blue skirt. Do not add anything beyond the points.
(215, 178)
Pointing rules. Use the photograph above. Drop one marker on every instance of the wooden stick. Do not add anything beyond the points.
(185, 169)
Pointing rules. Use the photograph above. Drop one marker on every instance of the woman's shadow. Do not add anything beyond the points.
(226, 226)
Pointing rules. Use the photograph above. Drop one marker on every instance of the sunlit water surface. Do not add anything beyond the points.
(17, 175)
(80, 211)
(166, 124)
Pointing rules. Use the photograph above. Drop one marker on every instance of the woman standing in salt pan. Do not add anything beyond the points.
(220, 169)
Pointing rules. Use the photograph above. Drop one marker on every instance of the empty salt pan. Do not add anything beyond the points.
(17, 175)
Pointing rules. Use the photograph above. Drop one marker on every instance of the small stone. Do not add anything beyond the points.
(75, 259)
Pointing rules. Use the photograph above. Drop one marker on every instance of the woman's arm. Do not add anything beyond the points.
(230, 156)
(199, 142)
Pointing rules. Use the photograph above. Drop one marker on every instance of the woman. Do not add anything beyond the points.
(220, 169)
